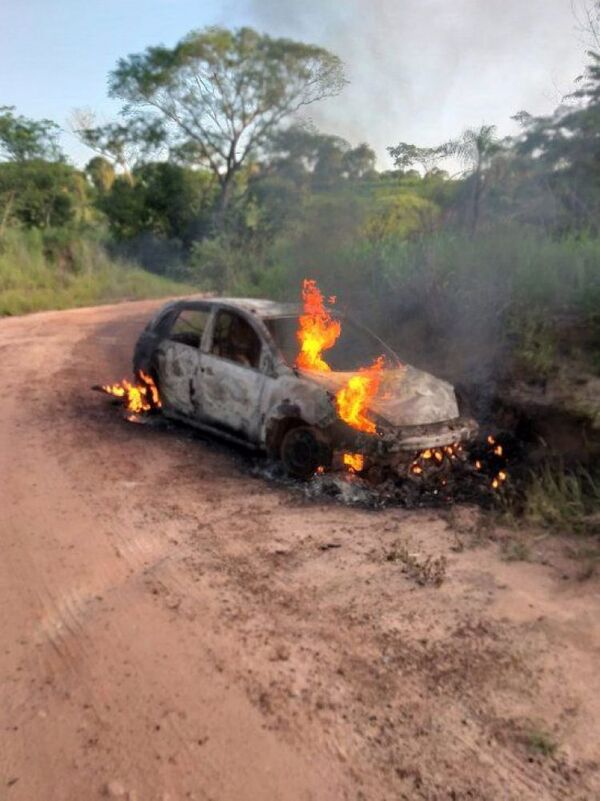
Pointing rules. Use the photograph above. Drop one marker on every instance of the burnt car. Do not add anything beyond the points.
(227, 366)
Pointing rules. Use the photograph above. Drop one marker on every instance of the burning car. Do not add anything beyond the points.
(291, 380)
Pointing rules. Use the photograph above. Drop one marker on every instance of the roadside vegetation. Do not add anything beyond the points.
(479, 257)
(57, 269)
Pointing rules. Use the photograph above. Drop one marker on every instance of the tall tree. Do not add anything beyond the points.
(359, 162)
(406, 156)
(565, 148)
(23, 139)
(475, 148)
(126, 145)
(101, 173)
(219, 95)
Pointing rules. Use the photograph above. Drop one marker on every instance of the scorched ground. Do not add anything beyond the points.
(174, 628)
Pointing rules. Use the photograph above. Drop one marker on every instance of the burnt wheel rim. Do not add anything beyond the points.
(302, 453)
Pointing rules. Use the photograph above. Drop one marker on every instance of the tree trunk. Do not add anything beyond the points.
(223, 202)
(477, 187)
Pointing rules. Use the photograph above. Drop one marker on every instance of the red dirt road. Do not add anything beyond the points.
(175, 628)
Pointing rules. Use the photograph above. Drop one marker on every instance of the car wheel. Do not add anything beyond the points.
(303, 450)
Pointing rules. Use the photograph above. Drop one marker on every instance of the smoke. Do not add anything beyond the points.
(423, 70)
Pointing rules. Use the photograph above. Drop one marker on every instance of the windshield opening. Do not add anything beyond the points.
(355, 348)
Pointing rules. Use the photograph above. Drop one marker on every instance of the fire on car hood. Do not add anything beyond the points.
(405, 397)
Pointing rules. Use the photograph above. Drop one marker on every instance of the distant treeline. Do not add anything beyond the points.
(209, 178)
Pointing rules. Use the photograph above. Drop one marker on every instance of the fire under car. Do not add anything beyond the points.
(230, 367)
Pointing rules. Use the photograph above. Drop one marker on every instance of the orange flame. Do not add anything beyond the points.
(353, 400)
(318, 330)
(354, 462)
(140, 397)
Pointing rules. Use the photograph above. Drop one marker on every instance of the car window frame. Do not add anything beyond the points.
(251, 321)
(185, 307)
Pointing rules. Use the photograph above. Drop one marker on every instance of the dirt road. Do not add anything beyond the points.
(174, 627)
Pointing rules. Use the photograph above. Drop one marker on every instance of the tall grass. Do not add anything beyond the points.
(505, 264)
(568, 501)
(58, 269)
(482, 297)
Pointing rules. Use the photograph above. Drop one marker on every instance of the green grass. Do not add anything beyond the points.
(512, 265)
(541, 742)
(515, 551)
(60, 270)
(565, 501)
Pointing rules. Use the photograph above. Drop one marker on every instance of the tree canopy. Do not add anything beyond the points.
(565, 147)
(23, 139)
(219, 95)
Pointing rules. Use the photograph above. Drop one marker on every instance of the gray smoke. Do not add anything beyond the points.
(423, 70)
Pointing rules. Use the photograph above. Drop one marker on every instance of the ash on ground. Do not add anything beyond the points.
(465, 483)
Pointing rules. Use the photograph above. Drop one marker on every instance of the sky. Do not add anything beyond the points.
(420, 71)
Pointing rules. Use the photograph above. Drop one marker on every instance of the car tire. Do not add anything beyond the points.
(304, 449)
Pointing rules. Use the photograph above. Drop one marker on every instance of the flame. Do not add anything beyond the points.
(502, 476)
(499, 479)
(352, 400)
(354, 462)
(140, 397)
(318, 330)
(424, 459)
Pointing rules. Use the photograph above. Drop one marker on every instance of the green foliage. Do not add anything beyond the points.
(126, 144)
(41, 193)
(218, 95)
(567, 501)
(406, 155)
(164, 199)
(61, 268)
(23, 139)
(218, 264)
(564, 149)
(536, 348)
(514, 550)
(400, 216)
(541, 742)
(101, 173)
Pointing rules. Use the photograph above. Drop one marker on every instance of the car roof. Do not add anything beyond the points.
(258, 306)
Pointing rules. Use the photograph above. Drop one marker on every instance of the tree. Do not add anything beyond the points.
(329, 165)
(301, 150)
(564, 148)
(40, 193)
(165, 200)
(125, 144)
(219, 95)
(23, 139)
(359, 162)
(475, 149)
(101, 173)
(406, 156)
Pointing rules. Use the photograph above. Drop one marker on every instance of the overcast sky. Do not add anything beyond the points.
(420, 70)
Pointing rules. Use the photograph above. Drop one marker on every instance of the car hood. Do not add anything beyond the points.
(406, 396)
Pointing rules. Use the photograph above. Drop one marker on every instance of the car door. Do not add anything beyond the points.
(179, 359)
(232, 378)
